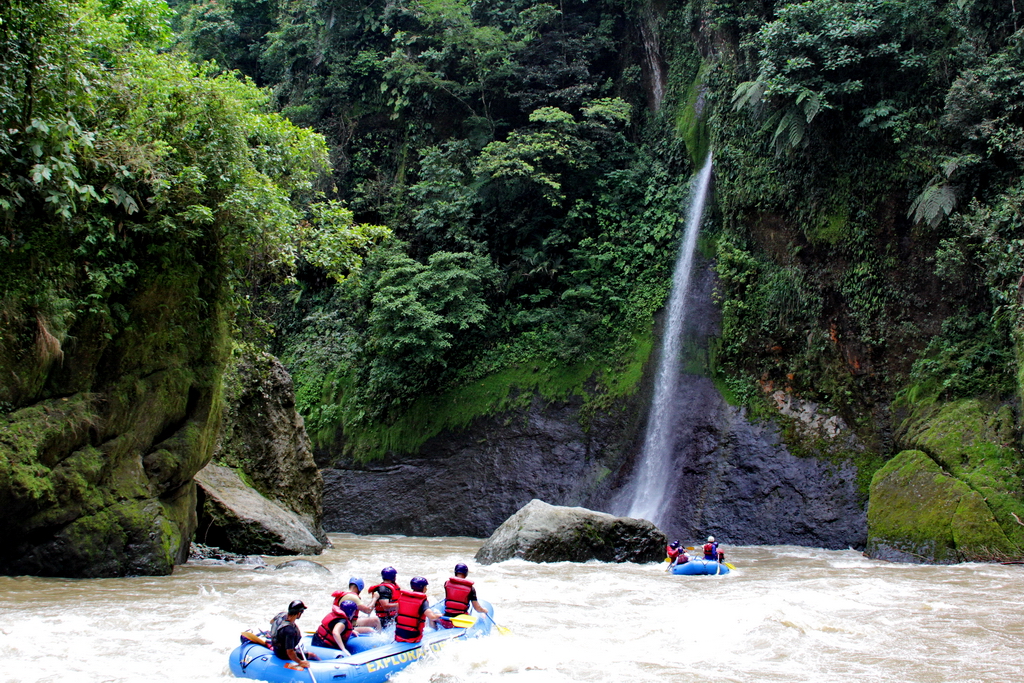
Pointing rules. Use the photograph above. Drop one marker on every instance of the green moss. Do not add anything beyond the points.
(692, 119)
(596, 383)
(974, 440)
(918, 508)
(830, 229)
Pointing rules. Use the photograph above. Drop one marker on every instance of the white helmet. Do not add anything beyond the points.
(711, 539)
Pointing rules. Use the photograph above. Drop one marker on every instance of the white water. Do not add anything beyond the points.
(788, 615)
(651, 483)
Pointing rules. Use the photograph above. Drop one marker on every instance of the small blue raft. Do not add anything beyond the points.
(698, 566)
(375, 658)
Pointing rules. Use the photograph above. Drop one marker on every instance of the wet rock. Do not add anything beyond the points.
(546, 533)
(241, 520)
(302, 566)
(209, 555)
(264, 441)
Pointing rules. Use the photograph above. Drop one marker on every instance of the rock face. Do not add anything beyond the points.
(467, 483)
(104, 424)
(238, 519)
(955, 494)
(546, 533)
(264, 493)
(734, 478)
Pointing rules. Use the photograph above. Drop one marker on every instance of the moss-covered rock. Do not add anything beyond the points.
(975, 441)
(920, 513)
(102, 434)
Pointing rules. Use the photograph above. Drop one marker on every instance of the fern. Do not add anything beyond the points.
(934, 203)
(748, 94)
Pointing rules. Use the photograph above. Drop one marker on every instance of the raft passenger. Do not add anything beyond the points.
(385, 595)
(355, 587)
(287, 636)
(459, 594)
(711, 551)
(338, 626)
(413, 612)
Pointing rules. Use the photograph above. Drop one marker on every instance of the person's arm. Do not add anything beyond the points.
(479, 608)
(339, 631)
(431, 615)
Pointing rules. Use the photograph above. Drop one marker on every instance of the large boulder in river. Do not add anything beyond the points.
(547, 533)
(264, 492)
(239, 519)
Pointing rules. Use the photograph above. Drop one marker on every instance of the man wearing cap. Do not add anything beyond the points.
(288, 636)
(384, 596)
(459, 594)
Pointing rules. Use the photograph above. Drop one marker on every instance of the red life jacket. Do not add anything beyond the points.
(672, 553)
(396, 593)
(325, 631)
(456, 596)
(409, 622)
(711, 551)
(339, 596)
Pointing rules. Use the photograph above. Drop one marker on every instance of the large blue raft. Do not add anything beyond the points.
(373, 659)
(698, 566)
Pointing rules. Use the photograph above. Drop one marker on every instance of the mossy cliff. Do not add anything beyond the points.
(956, 493)
(106, 424)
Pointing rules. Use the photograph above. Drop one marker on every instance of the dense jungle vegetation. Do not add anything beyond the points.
(523, 186)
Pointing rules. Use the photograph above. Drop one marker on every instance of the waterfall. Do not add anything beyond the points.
(650, 486)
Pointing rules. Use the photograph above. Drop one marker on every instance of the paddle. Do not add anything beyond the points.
(729, 565)
(501, 629)
(252, 637)
(462, 621)
(303, 655)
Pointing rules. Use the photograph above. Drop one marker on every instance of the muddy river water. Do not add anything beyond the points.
(788, 614)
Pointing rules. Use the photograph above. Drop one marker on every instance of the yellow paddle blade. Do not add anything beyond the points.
(668, 559)
(504, 630)
(463, 621)
(729, 565)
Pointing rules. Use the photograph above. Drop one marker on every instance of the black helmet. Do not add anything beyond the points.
(418, 583)
(388, 574)
(461, 568)
(296, 607)
(350, 608)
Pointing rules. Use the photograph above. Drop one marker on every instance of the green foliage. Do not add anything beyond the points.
(333, 242)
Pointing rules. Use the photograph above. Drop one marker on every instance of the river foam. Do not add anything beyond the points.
(787, 614)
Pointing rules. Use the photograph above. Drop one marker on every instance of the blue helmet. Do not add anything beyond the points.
(418, 583)
(674, 544)
(389, 573)
(350, 608)
(461, 568)
(357, 582)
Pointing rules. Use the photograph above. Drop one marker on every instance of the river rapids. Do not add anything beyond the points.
(787, 614)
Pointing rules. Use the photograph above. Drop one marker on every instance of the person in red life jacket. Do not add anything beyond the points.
(413, 612)
(355, 587)
(287, 637)
(338, 626)
(672, 551)
(459, 594)
(676, 555)
(384, 597)
(711, 551)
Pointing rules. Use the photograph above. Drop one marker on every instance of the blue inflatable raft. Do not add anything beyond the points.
(698, 566)
(375, 658)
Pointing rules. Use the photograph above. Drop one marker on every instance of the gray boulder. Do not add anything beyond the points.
(238, 518)
(539, 532)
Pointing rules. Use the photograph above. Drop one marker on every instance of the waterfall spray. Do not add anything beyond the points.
(650, 487)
